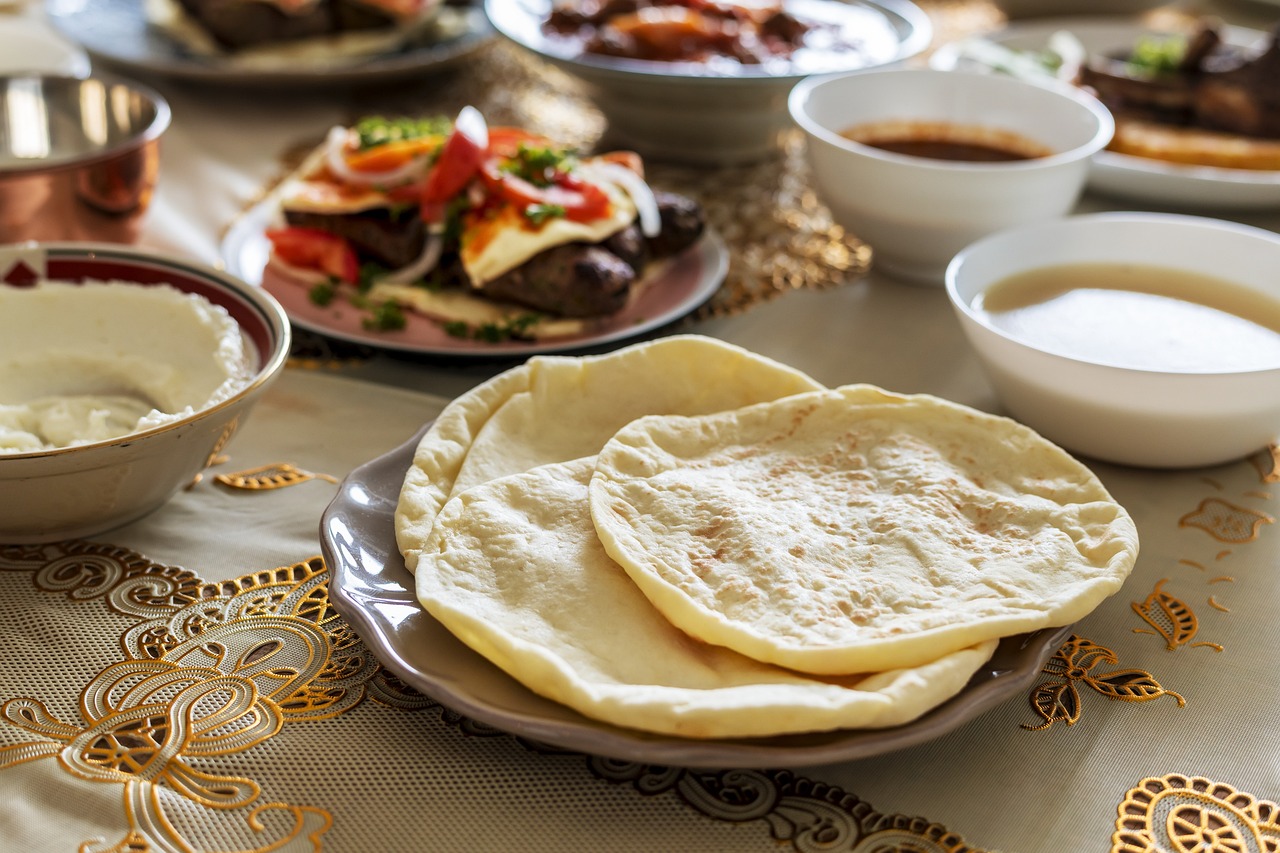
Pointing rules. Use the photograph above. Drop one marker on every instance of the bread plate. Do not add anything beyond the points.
(373, 591)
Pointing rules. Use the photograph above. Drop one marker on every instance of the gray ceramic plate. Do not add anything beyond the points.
(372, 589)
(117, 32)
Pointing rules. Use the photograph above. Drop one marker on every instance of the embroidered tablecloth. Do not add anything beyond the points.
(183, 684)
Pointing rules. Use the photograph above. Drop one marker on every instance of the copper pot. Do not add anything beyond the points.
(79, 158)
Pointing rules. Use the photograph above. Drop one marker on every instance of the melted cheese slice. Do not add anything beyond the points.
(499, 243)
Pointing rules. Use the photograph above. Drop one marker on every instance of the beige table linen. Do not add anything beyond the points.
(1156, 729)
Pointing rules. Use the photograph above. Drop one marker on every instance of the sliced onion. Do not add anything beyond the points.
(471, 124)
(425, 263)
(335, 159)
(633, 185)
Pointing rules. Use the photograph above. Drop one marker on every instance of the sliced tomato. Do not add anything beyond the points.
(505, 142)
(581, 201)
(313, 249)
(460, 160)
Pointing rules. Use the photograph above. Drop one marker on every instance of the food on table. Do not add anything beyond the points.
(939, 140)
(81, 363)
(853, 530)
(1138, 316)
(796, 35)
(494, 232)
(560, 408)
(566, 514)
(296, 29)
(1195, 99)
(521, 576)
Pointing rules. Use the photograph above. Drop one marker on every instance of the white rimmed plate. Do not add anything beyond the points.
(373, 591)
(679, 288)
(1123, 175)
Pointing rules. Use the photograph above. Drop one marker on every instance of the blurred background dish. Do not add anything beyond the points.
(28, 47)
(718, 111)
(1139, 379)
(79, 158)
(916, 212)
(81, 490)
(1123, 175)
(1046, 8)
(119, 32)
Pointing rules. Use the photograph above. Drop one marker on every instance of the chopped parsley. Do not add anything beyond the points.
(540, 213)
(376, 130)
(515, 328)
(538, 164)
(1155, 55)
(322, 293)
(385, 317)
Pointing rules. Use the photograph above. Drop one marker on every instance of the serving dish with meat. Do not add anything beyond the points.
(1195, 99)
(357, 27)
(492, 233)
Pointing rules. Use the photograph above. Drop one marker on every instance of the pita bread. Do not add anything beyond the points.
(513, 567)
(854, 530)
(559, 408)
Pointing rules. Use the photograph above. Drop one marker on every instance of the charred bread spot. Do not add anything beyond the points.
(575, 280)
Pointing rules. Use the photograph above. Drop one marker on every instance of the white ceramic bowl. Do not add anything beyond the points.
(1118, 414)
(685, 113)
(84, 489)
(917, 212)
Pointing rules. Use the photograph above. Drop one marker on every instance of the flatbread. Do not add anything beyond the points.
(559, 408)
(514, 569)
(856, 530)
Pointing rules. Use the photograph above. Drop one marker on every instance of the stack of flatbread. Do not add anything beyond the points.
(687, 538)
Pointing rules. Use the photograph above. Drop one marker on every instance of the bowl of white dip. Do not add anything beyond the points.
(1145, 339)
(122, 374)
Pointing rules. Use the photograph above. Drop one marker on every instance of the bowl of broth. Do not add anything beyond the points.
(919, 162)
(1143, 339)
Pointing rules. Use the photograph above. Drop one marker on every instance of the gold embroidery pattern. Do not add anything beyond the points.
(1172, 618)
(1268, 464)
(268, 477)
(1226, 522)
(209, 671)
(1073, 665)
(807, 814)
(213, 670)
(1190, 813)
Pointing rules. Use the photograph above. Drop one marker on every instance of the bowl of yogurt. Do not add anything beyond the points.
(123, 373)
(1145, 339)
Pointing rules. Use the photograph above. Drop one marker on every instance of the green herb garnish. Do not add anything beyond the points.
(540, 213)
(537, 164)
(376, 130)
(323, 292)
(1154, 55)
(385, 317)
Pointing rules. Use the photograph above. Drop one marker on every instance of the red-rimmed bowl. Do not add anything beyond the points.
(80, 490)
